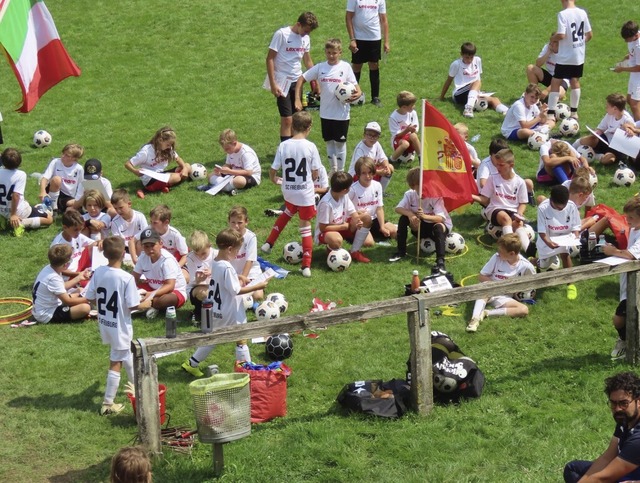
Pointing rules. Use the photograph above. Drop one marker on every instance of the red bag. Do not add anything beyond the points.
(268, 392)
(617, 223)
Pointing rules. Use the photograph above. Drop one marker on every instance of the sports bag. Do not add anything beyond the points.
(268, 386)
(383, 399)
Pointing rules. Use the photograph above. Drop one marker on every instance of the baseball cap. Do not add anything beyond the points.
(372, 126)
(149, 235)
(92, 169)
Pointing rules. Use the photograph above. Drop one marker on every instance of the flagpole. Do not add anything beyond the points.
(422, 147)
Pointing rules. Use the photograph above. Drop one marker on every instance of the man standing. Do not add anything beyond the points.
(367, 25)
(621, 459)
(288, 46)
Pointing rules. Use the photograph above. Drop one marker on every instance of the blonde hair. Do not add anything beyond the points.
(365, 163)
(59, 255)
(506, 155)
(461, 127)
(406, 98)
(94, 195)
(199, 241)
(560, 148)
(165, 133)
(161, 212)
(632, 206)
(238, 211)
(510, 242)
(121, 194)
(333, 44)
(74, 150)
(228, 136)
(580, 184)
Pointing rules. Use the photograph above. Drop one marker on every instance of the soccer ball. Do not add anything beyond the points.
(495, 231)
(574, 251)
(443, 383)
(198, 171)
(586, 152)
(41, 139)
(344, 91)
(279, 301)
(359, 101)
(482, 104)
(406, 157)
(593, 180)
(247, 301)
(267, 310)
(562, 111)
(525, 295)
(428, 246)
(339, 260)
(454, 243)
(624, 177)
(551, 263)
(531, 233)
(292, 252)
(279, 347)
(536, 140)
(569, 127)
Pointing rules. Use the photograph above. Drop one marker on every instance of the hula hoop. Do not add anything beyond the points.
(17, 316)
(448, 256)
(468, 277)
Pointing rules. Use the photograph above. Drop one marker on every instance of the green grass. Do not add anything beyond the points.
(199, 66)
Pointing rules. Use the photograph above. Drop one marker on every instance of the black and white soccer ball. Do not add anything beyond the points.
(292, 252)
(339, 260)
(531, 233)
(624, 177)
(593, 180)
(279, 301)
(407, 157)
(586, 152)
(359, 101)
(41, 139)
(454, 243)
(428, 246)
(551, 263)
(482, 104)
(279, 347)
(569, 127)
(563, 111)
(525, 295)
(344, 91)
(536, 140)
(198, 171)
(494, 231)
(267, 310)
(247, 301)
(444, 384)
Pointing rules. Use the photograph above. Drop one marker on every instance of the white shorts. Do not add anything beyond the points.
(119, 355)
(499, 301)
(634, 87)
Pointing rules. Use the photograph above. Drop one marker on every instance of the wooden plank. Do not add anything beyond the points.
(633, 308)
(421, 364)
(147, 410)
(218, 459)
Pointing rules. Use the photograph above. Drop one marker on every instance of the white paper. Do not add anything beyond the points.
(218, 187)
(569, 240)
(598, 136)
(629, 145)
(613, 261)
(95, 184)
(266, 275)
(164, 177)
(98, 259)
(258, 340)
(436, 284)
(281, 80)
(486, 94)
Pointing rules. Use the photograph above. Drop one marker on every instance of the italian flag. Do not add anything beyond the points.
(33, 48)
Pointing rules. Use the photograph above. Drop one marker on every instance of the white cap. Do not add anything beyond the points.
(373, 126)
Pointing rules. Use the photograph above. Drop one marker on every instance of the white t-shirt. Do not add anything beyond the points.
(77, 245)
(194, 264)
(504, 194)
(374, 152)
(366, 18)
(224, 286)
(367, 199)
(13, 181)
(590, 201)
(146, 159)
(104, 218)
(290, 48)
(165, 268)
(556, 223)
(464, 74)
(246, 159)
(574, 24)
(486, 169)
(398, 122)
(71, 176)
(332, 212)
(517, 113)
(115, 293)
(297, 158)
(248, 252)
(430, 206)
(329, 77)
(550, 64)
(47, 287)
(499, 269)
(128, 229)
(633, 247)
(107, 187)
(473, 154)
(172, 241)
(323, 179)
(545, 150)
(609, 123)
(634, 60)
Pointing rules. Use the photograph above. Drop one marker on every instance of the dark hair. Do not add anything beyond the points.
(341, 180)
(308, 19)
(559, 195)
(623, 381)
(497, 144)
(468, 48)
(11, 158)
(629, 29)
(113, 248)
(617, 100)
(72, 218)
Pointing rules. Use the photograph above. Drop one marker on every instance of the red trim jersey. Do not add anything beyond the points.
(146, 159)
(77, 245)
(374, 152)
(290, 48)
(464, 74)
(329, 77)
(367, 199)
(498, 269)
(366, 18)
(332, 212)
(248, 252)
(172, 241)
(504, 194)
(297, 158)
(246, 159)
(128, 229)
(165, 268)
(556, 223)
(430, 206)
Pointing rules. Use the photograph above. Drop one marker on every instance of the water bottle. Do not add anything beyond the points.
(602, 241)
(415, 282)
(48, 202)
(592, 241)
(206, 316)
(475, 139)
(171, 322)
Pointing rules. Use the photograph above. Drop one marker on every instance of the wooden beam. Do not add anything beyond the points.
(421, 364)
(147, 410)
(633, 308)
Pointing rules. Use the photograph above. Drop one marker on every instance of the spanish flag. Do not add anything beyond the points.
(445, 161)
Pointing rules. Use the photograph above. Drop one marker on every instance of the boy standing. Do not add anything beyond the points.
(631, 64)
(465, 74)
(524, 117)
(370, 148)
(288, 46)
(115, 294)
(505, 264)
(366, 25)
(573, 33)
(300, 161)
(404, 126)
(62, 177)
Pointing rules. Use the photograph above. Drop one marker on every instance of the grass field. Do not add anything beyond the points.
(199, 66)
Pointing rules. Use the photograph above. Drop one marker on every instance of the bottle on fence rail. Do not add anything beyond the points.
(171, 323)
(415, 282)
(206, 317)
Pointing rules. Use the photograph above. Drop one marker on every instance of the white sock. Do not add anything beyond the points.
(553, 100)
(359, 238)
(577, 144)
(524, 238)
(113, 381)
(501, 109)
(242, 353)
(332, 154)
(54, 195)
(128, 367)
(229, 187)
(201, 354)
(478, 307)
(496, 312)
(341, 154)
(507, 229)
(31, 222)
(384, 181)
(471, 99)
(574, 98)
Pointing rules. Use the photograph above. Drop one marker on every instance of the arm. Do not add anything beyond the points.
(299, 83)
(43, 187)
(273, 176)
(384, 25)
(252, 288)
(545, 238)
(353, 45)
(542, 60)
(381, 220)
(132, 168)
(72, 282)
(484, 278)
(14, 219)
(133, 250)
(167, 287)
(445, 87)
(600, 470)
(324, 227)
(70, 301)
(271, 73)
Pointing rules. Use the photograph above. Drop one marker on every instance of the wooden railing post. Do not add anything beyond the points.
(421, 365)
(147, 406)
(632, 325)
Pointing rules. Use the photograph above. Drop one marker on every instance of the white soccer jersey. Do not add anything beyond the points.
(323, 179)
(590, 201)
(504, 194)
(374, 152)
(545, 150)
(633, 247)
(574, 24)
(77, 245)
(332, 212)
(634, 60)
(517, 113)
(473, 154)
(107, 187)
(498, 269)
(194, 264)
(290, 48)
(47, 287)
(248, 252)
(366, 18)
(430, 206)
(556, 223)
(224, 286)
(115, 293)
(71, 176)
(329, 77)
(297, 158)
(172, 241)
(367, 199)
(146, 159)
(165, 268)
(104, 218)
(246, 159)
(550, 64)
(486, 169)
(128, 229)
(398, 122)
(609, 123)
(13, 181)
(464, 74)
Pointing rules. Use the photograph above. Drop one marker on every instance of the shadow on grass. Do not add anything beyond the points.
(97, 472)
(80, 401)
(596, 360)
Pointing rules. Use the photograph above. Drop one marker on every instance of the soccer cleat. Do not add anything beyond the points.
(194, 371)
(111, 409)
(233, 193)
(306, 272)
(619, 350)
(266, 248)
(397, 256)
(468, 112)
(376, 102)
(574, 115)
(165, 189)
(359, 257)
(140, 194)
(152, 313)
(473, 324)
(203, 187)
(572, 292)
(272, 212)
(532, 199)
(18, 231)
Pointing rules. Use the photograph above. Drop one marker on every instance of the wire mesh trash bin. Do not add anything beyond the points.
(222, 405)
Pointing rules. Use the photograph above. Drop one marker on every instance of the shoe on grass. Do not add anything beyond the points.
(204, 187)
(266, 248)
(397, 256)
(473, 324)
(272, 212)
(152, 313)
(468, 112)
(376, 102)
(18, 231)
(359, 257)
(619, 350)
(306, 272)
(572, 292)
(194, 371)
(111, 409)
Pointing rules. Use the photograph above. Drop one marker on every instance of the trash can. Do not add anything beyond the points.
(222, 405)
(162, 402)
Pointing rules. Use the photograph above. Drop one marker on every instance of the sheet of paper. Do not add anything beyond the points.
(613, 261)
(598, 136)
(218, 187)
(266, 275)
(629, 145)
(95, 184)
(486, 94)
(281, 79)
(98, 259)
(164, 177)
(566, 240)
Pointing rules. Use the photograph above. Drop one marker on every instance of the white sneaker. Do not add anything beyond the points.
(152, 313)
(473, 324)
(111, 409)
(266, 248)
(619, 350)
(242, 353)
(468, 112)
(306, 272)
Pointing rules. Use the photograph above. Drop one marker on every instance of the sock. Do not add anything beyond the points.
(358, 74)
(501, 108)
(284, 138)
(576, 144)
(401, 237)
(113, 381)
(229, 187)
(553, 102)
(341, 154)
(359, 238)
(622, 332)
(128, 367)
(384, 182)
(374, 79)
(242, 353)
(307, 245)
(558, 172)
(54, 195)
(31, 222)
(524, 238)
(471, 99)
(331, 154)
(507, 229)
(440, 239)
(478, 307)
(574, 99)
(200, 354)
(496, 312)
(278, 227)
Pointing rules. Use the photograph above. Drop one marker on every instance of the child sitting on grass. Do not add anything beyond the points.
(97, 224)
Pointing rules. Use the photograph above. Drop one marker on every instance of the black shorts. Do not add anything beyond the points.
(427, 230)
(62, 202)
(494, 215)
(368, 51)
(38, 211)
(251, 182)
(621, 309)
(564, 71)
(333, 130)
(603, 148)
(462, 96)
(286, 105)
(62, 314)
(375, 231)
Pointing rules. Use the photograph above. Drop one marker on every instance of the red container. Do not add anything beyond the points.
(162, 402)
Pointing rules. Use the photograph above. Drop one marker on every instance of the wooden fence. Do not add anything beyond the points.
(415, 306)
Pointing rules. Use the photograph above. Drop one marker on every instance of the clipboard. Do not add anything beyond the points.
(95, 184)
(629, 145)
(164, 177)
